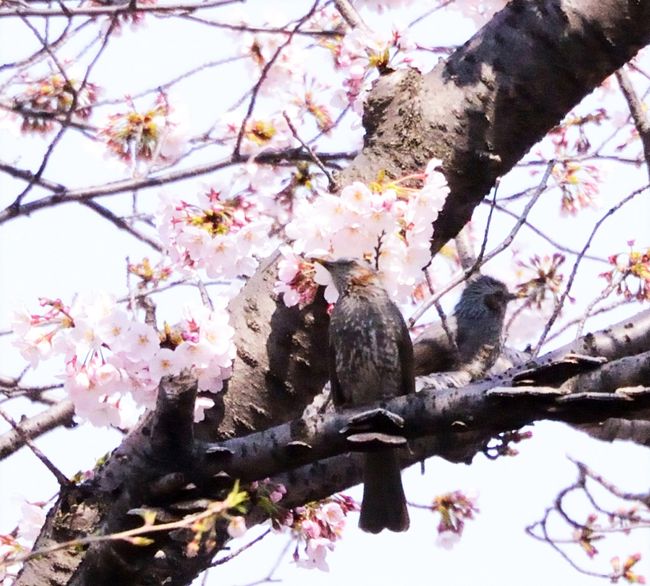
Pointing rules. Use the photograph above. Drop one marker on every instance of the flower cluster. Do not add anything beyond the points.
(108, 354)
(624, 570)
(387, 224)
(571, 137)
(20, 541)
(578, 183)
(633, 265)
(317, 526)
(538, 281)
(218, 234)
(150, 276)
(308, 100)
(260, 132)
(288, 63)
(151, 135)
(454, 509)
(358, 54)
(51, 98)
(546, 280)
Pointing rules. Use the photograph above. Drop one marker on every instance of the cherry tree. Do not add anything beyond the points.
(209, 151)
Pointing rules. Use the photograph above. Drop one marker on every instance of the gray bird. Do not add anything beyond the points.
(370, 358)
(475, 329)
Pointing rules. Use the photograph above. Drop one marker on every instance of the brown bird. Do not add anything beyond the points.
(475, 329)
(371, 358)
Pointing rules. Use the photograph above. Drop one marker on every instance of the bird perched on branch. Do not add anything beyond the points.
(475, 330)
(371, 358)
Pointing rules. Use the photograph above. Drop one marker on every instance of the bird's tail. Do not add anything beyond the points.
(384, 503)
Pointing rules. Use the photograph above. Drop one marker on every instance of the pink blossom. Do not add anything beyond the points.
(316, 550)
(141, 342)
(166, 362)
(310, 528)
(332, 514)
(201, 405)
(31, 522)
(196, 354)
(390, 225)
(113, 326)
(237, 527)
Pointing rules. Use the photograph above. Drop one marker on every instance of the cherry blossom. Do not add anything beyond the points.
(218, 234)
(237, 526)
(317, 526)
(155, 134)
(387, 224)
(109, 356)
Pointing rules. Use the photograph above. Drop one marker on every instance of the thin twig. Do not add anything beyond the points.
(115, 10)
(60, 477)
(314, 156)
(462, 276)
(637, 111)
(611, 287)
(262, 78)
(121, 223)
(350, 15)
(240, 550)
(560, 302)
(575, 321)
(548, 239)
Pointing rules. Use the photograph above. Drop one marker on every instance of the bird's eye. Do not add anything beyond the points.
(495, 301)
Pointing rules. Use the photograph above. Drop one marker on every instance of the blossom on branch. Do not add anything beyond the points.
(219, 234)
(386, 223)
(51, 98)
(317, 526)
(631, 266)
(153, 135)
(109, 355)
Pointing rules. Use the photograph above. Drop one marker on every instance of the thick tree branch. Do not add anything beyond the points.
(59, 414)
(480, 112)
(309, 455)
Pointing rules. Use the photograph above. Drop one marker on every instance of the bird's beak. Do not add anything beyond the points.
(512, 296)
(321, 261)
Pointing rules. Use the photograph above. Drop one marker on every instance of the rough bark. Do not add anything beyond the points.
(479, 111)
(156, 462)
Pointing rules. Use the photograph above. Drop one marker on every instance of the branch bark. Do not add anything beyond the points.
(309, 455)
(479, 111)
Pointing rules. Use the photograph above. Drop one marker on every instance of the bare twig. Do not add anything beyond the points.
(241, 549)
(122, 224)
(560, 302)
(59, 414)
(114, 10)
(314, 156)
(637, 111)
(60, 477)
(419, 312)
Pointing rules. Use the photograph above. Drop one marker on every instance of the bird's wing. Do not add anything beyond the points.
(335, 385)
(404, 349)
(434, 351)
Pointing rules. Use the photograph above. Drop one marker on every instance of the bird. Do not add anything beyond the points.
(370, 358)
(472, 339)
